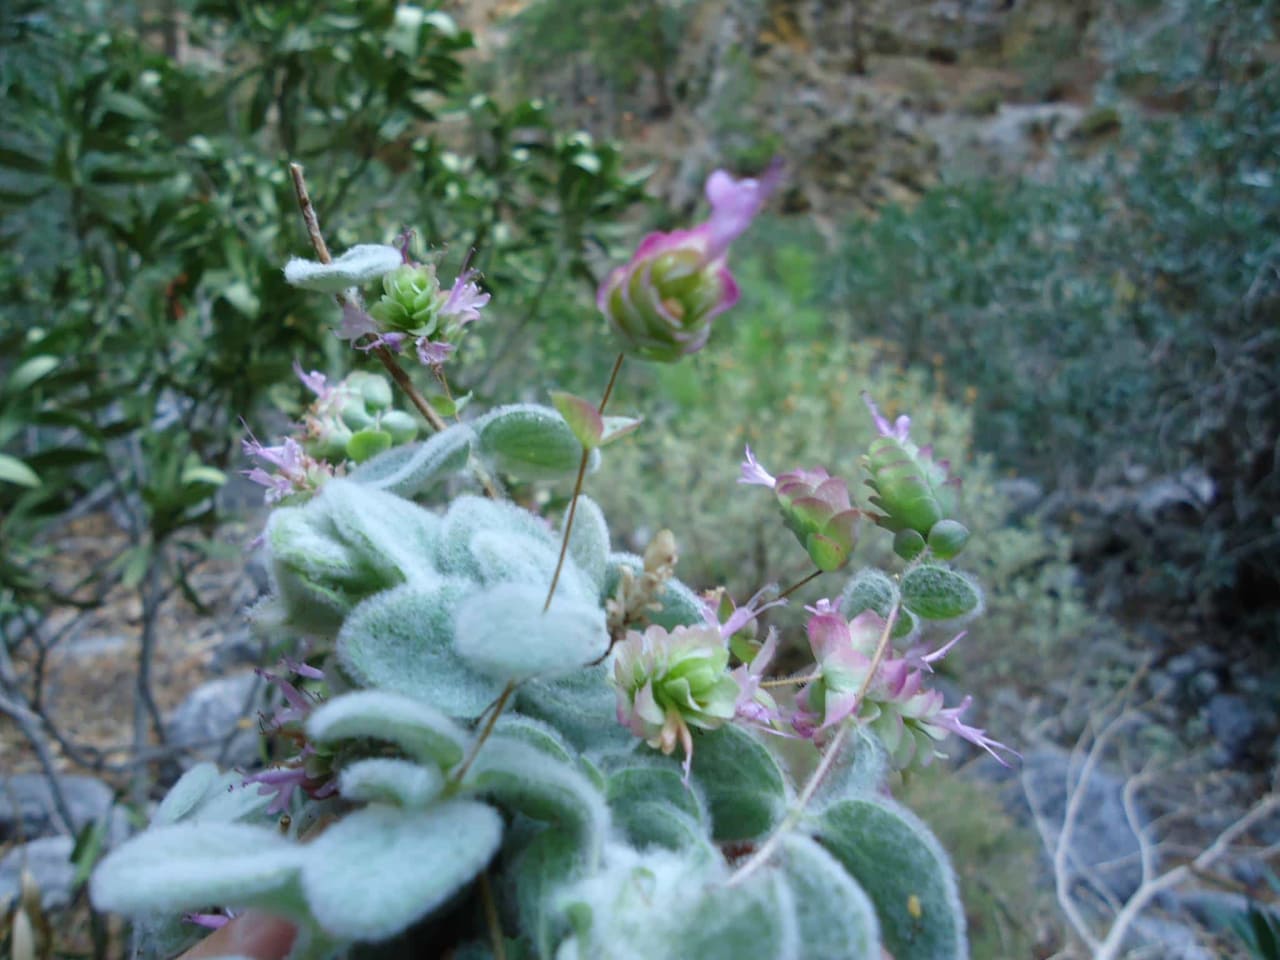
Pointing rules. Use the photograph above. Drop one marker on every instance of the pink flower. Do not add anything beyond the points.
(661, 303)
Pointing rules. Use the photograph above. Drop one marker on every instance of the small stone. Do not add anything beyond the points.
(27, 807)
(48, 860)
(222, 708)
(1232, 723)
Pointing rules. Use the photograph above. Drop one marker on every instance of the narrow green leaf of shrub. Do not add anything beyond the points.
(190, 866)
(528, 781)
(361, 264)
(421, 731)
(834, 916)
(402, 641)
(504, 633)
(13, 470)
(200, 473)
(29, 371)
(902, 868)
(380, 869)
(938, 593)
(529, 441)
(617, 427)
(388, 780)
(743, 785)
(413, 470)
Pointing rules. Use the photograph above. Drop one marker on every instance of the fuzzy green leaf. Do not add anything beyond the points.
(529, 441)
(388, 780)
(834, 915)
(419, 730)
(503, 632)
(413, 470)
(188, 866)
(380, 869)
(938, 593)
(403, 641)
(361, 264)
(742, 782)
(897, 861)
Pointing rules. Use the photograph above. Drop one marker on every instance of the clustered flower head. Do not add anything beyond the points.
(914, 493)
(414, 307)
(308, 770)
(667, 682)
(294, 471)
(661, 303)
(910, 719)
(815, 507)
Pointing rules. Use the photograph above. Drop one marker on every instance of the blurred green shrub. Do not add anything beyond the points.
(1126, 314)
(591, 45)
(146, 208)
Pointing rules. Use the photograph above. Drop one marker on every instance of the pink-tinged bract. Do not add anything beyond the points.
(661, 303)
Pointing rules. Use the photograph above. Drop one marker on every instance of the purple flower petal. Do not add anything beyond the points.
(753, 473)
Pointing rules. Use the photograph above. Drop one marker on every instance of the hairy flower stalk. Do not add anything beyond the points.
(661, 303)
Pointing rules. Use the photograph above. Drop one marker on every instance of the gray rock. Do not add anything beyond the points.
(212, 713)
(27, 809)
(237, 649)
(1102, 845)
(48, 860)
(1232, 723)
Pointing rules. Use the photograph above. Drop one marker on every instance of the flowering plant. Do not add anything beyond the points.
(499, 738)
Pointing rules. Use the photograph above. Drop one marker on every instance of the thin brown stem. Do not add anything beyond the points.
(577, 486)
(790, 681)
(568, 527)
(494, 713)
(765, 851)
(309, 214)
(491, 917)
(798, 584)
(613, 379)
(401, 378)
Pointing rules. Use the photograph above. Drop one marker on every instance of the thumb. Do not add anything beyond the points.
(254, 935)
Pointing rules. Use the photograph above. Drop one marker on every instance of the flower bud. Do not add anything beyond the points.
(411, 300)
(912, 490)
(662, 302)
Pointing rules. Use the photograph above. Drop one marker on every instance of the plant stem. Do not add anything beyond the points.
(494, 713)
(491, 917)
(577, 487)
(790, 681)
(798, 584)
(765, 851)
